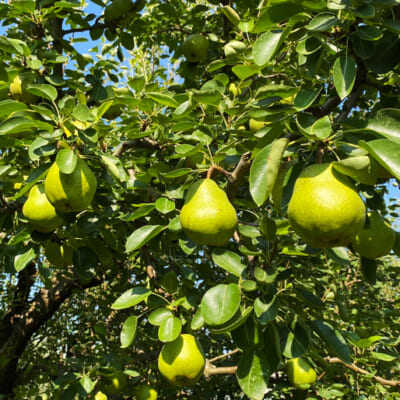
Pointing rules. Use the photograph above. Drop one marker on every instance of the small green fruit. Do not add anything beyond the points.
(325, 210)
(208, 217)
(71, 192)
(182, 361)
(39, 211)
(115, 383)
(195, 48)
(301, 375)
(116, 10)
(100, 396)
(234, 89)
(145, 392)
(375, 239)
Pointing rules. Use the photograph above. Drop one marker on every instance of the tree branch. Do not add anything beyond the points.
(236, 177)
(383, 381)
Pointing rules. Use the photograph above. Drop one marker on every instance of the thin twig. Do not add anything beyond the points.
(383, 381)
(221, 356)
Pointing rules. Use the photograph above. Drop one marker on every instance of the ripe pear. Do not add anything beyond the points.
(71, 192)
(39, 211)
(208, 217)
(182, 361)
(300, 373)
(325, 210)
(195, 48)
(375, 239)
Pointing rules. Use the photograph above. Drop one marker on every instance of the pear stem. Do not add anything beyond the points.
(216, 168)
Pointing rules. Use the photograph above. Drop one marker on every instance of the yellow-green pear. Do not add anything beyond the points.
(375, 239)
(145, 392)
(19, 91)
(300, 373)
(208, 217)
(71, 192)
(182, 361)
(325, 210)
(195, 48)
(255, 125)
(39, 211)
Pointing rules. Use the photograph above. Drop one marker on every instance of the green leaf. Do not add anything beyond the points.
(164, 205)
(368, 32)
(229, 261)
(386, 153)
(368, 342)
(344, 75)
(131, 298)
(386, 122)
(245, 71)
(239, 318)
(305, 98)
(169, 329)
(8, 107)
(322, 22)
(87, 384)
(369, 268)
(275, 14)
(308, 297)
(253, 374)
(220, 303)
(322, 128)
(266, 46)
(159, 315)
(141, 236)
(264, 170)
(248, 336)
(207, 96)
(48, 92)
(23, 258)
(163, 99)
(384, 356)
(333, 338)
(297, 340)
(66, 161)
(128, 331)
(114, 167)
(266, 312)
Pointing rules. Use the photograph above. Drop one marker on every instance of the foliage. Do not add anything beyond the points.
(322, 76)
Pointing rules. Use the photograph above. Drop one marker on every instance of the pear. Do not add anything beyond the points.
(195, 48)
(300, 373)
(39, 211)
(71, 192)
(182, 361)
(207, 216)
(375, 239)
(325, 210)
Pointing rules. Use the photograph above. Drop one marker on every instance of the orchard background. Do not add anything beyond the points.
(324, 75)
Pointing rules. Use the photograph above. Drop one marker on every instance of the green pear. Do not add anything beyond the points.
(375, 239)
(145, 392)
(300, 373)
(325, 210)
(195, 48)
(182, 361)
(71, 192)
(39, 211)
(208, 217)
(255, 125)
(116, 10)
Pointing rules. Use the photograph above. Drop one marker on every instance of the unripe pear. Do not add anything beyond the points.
(195, 48)
(145, 392)
(71, 192)
(39, 211)
(182, 361)
(375, 239)
(325, 210)
(300, 373)
(208, 217)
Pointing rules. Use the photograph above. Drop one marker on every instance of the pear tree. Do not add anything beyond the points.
(199, 199)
